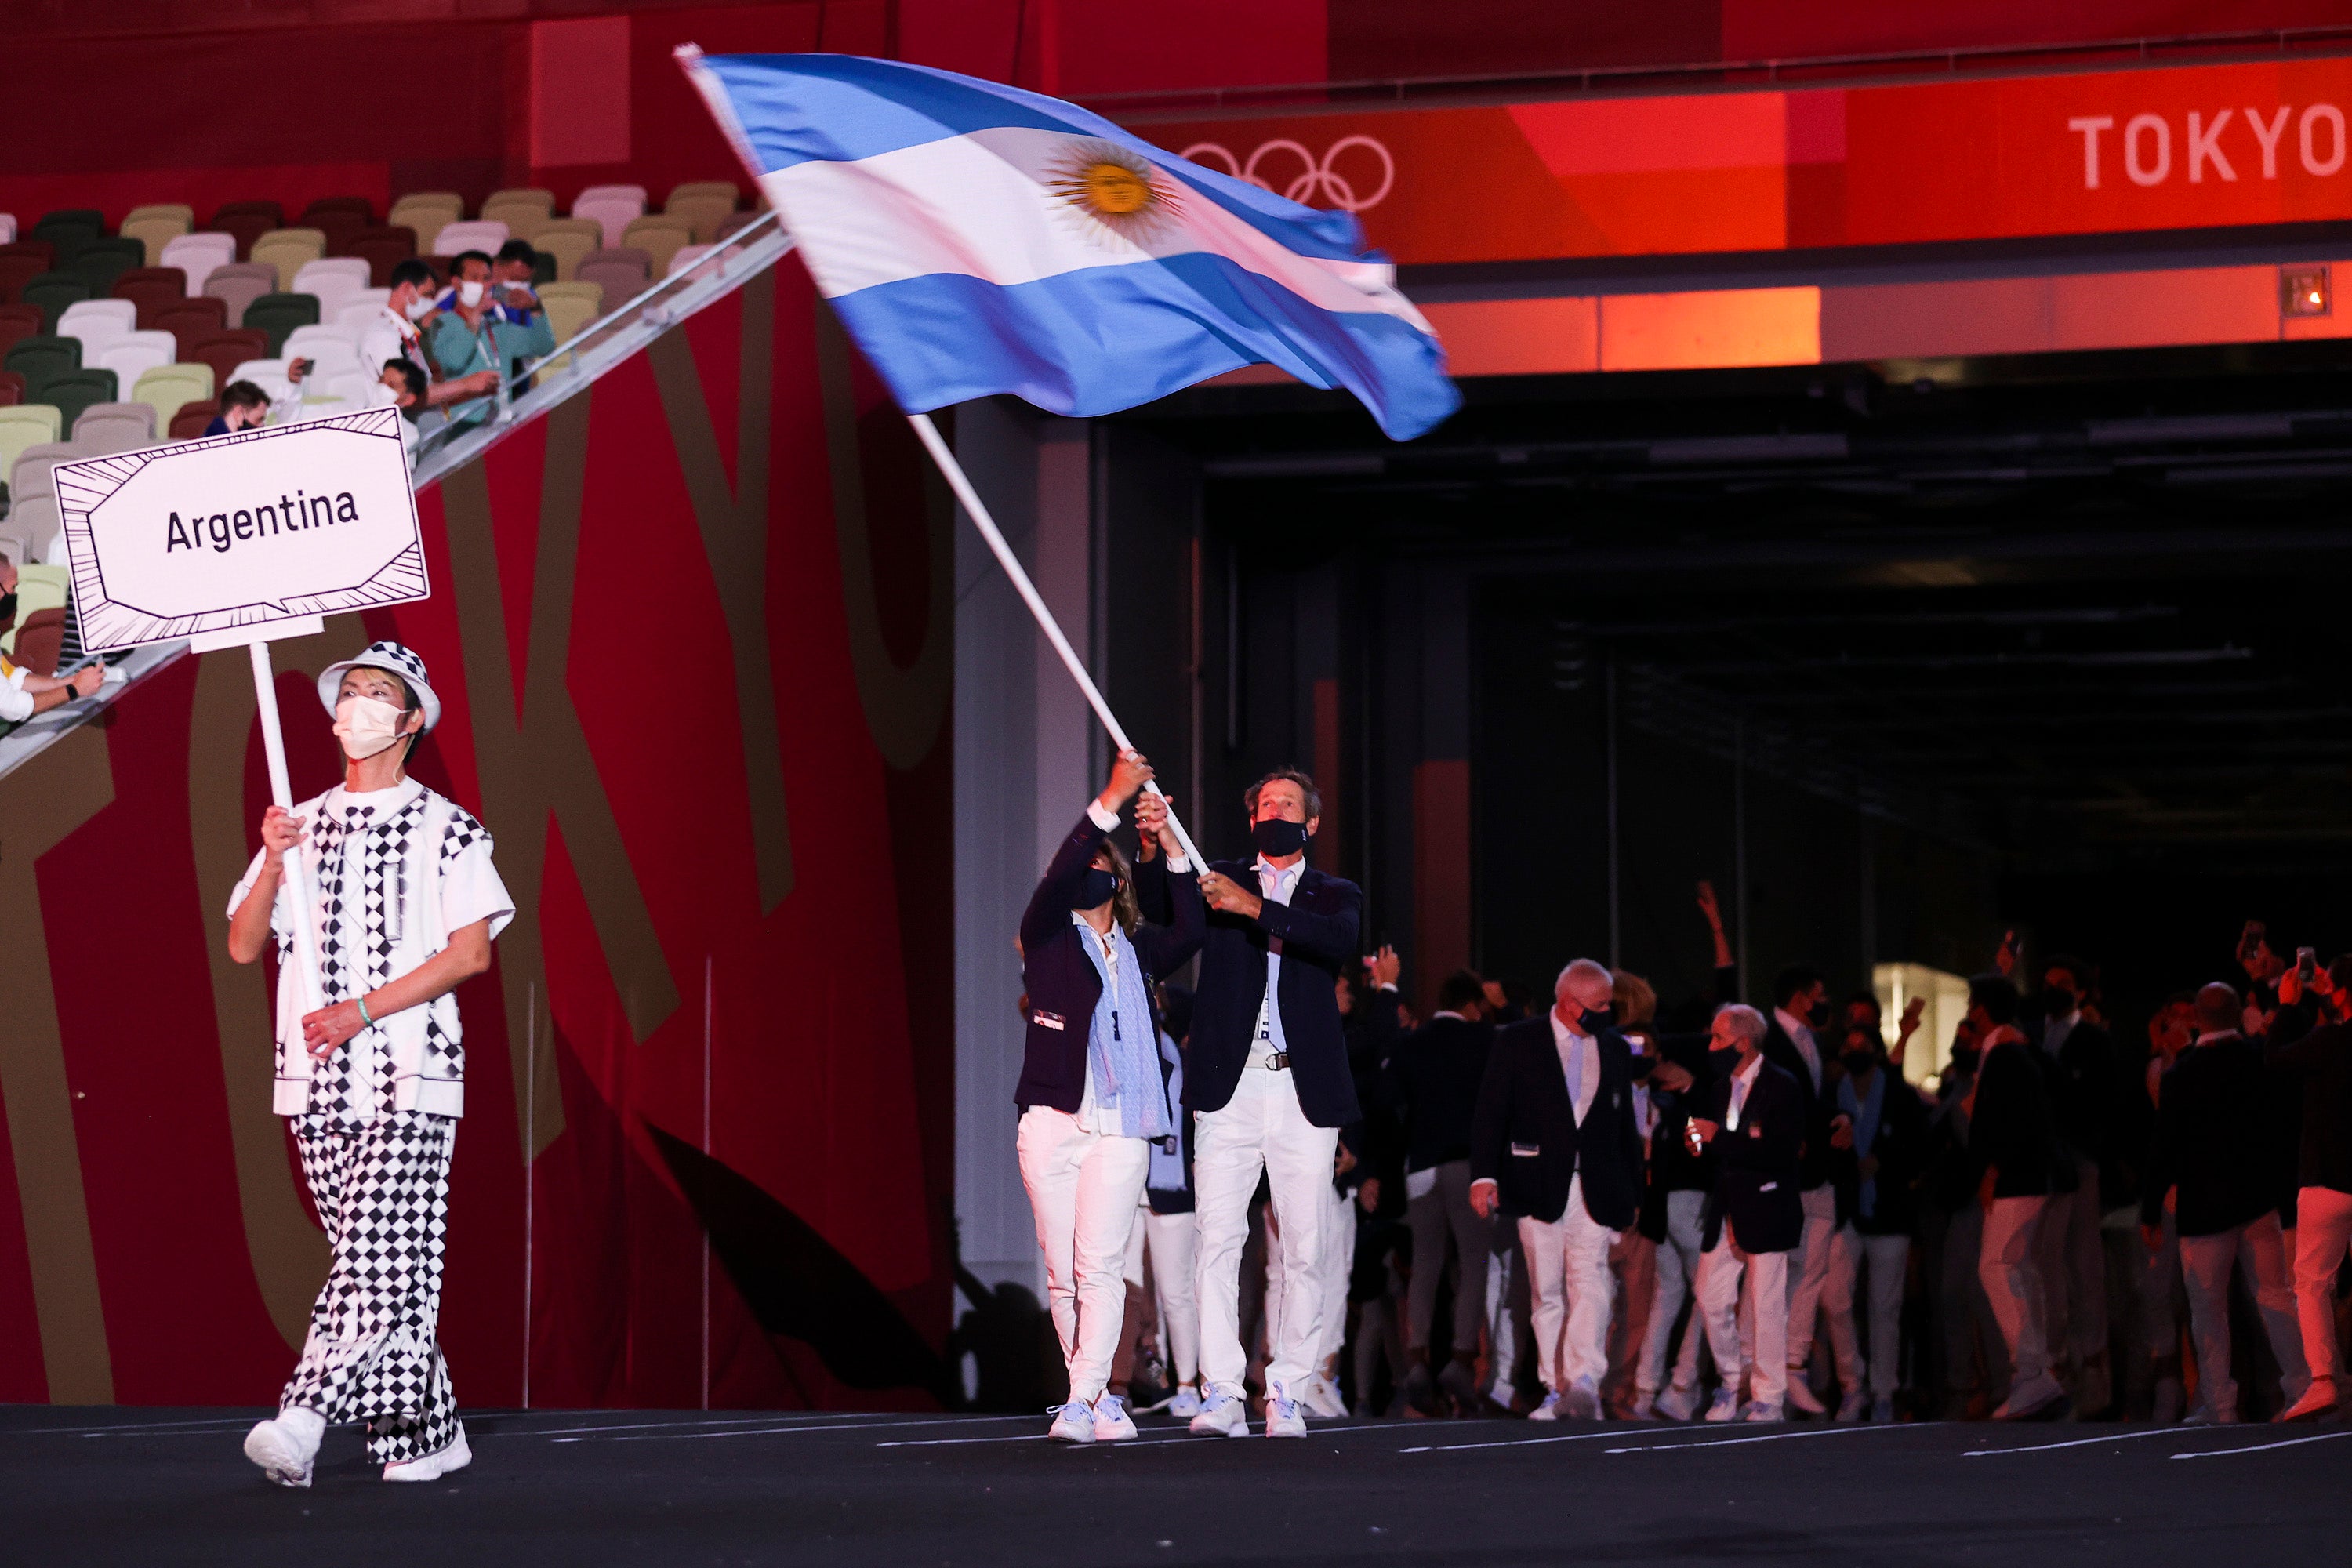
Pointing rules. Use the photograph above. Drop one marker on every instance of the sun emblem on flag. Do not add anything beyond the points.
(1112, 191)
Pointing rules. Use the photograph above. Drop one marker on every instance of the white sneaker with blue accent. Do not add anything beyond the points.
(1549, 1410)
(1223, 1415)
(1725, 1406)
(1184, 1403)
(1073, 1423)
(1112, 1423)
(1283, 1417)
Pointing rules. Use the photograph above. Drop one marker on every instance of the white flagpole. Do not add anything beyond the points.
(295, 886)
(972, 506)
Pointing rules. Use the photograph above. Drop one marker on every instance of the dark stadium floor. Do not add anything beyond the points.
(587, 1489)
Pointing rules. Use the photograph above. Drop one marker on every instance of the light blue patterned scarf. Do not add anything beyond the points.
(1122, 1051)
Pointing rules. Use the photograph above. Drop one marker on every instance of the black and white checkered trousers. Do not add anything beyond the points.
(381, 1190)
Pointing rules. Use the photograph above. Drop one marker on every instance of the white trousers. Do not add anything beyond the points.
(2322, 1227)
(2074, 1263)
(2260, 1248)
(1573, 1292)
(1887, 1257)
(1337, 1263)
(1082, 1187)
(1678, 1261)
(1809, 1270)
(1261, 1129)
(1167, 1240)
(1720, 1273)
(2007, 1263)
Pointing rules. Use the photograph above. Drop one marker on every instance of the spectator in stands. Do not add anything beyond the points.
(243, 406)
(24, 694)
(396, 333)
(469, 340)
(7, 592)
(403, 386)
(511, 292)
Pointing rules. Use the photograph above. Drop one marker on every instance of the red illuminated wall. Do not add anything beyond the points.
(693, 645)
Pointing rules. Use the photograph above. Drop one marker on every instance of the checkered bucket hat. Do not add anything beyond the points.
(389, 656)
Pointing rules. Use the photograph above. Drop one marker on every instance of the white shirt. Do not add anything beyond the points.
(389, 337)
(1585, 1074)
(2055, 1030)
(1742, 1082)
(1274, 885)
(15, 702)
(1092, 1114)
(1801, 1035)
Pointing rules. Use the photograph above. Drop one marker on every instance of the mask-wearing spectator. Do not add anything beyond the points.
(397, 334)
(24, 694)
(470, 340)
(403, 386)
(7, 593)
(245, 406)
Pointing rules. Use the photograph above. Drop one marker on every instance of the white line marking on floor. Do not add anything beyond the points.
(2071, 1443)
(810, 1419)
(1509, 1443)
(1777, 1436)
(786, 1431)
(128, 1427)
(2260, 1447)
(952, 1442)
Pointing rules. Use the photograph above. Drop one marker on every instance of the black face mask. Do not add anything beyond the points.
(1818, 1016)
(1858, 1063)
(2058, 1000)
(1723, 1059)
(1964, 1059)
(1100, 888)
(1594, 1022)
(1276, 838)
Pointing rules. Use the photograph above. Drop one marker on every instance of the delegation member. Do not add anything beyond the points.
(1554, 1145)
(1752, 1116)
(407, 904)
(1093, 1091)
(1267, 1079)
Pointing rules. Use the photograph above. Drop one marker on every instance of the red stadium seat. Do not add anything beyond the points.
(153, 290)
(381, 249)
(189, 423)
(225, 351)
(190, 321)
(21, 263)
(12, 389)
(248, 221)
(41, 639)
(18, 322)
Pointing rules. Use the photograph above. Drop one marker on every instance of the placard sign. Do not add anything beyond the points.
(240, 531)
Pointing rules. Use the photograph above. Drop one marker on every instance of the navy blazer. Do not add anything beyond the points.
(1756, 1166)
(1432, 1081)
(1318, 931)
(1063, 984)
(1821, 1106)
(1526, 1138)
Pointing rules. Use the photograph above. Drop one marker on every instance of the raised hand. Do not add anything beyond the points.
(1128, 774)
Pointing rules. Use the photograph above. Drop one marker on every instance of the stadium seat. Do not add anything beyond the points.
(53, 291)
(339, 218)
(269, 374)
(17, 323)
(278, 314)
(168, 389)
(611, 213)
(115, 427)
(569, 240)
(36, 522)
(12, 389)
(18, 267)
(192, 319)
(106, 258)
(637, 193)
(25, 427)
(360, 313)
(68, 231)
(685, 257)
(98, 322)
(38, 358)
(180, 210)
(151, 290)
(31, 473)
(198, 254)
(248, 221)
(286, 249)
(739, 222)
(189, 423)
(155, 229)
(39, 639)
(332, 281)
(705, 204)
(134, 354)
(524, 212)
(239, 284)
(329, 353)
(8, 227)
(72, 391)
(484, 235)
(357, 206)
(623, 271)
(423, 213)
(382, 249)
(660, 235)
(224, 351)
(571, 307)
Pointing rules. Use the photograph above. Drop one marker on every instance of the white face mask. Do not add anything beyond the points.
(366, 726)
(417, 307)
(469, 293)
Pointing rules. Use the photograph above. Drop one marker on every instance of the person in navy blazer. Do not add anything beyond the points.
(1093, 1090)
(1267, 1079)
(1554, 1145)
(1753, 1117)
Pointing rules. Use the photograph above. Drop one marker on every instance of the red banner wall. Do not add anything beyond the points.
(712, 760)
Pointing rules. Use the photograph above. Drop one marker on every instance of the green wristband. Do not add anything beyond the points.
(364, 1014)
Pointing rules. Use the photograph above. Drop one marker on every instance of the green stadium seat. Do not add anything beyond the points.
(37, 359)
(53, 291)
(274, 315)
(75, 390)
(68, 231)
(106, 258)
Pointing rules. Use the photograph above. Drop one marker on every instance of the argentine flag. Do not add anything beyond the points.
(976, 238)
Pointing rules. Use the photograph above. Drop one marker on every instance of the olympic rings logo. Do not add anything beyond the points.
(1314, 183)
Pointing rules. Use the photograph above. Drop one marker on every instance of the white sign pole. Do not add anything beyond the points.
(972, 506)
(295, 885)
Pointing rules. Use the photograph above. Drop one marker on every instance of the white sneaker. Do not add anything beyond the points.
(1644, 1408)
(1853, 1407)
(1185, 1403)
(1725, 1406)
(1283, 1418)
(2030, 1398)
(1548, 1411)
(1073, 1423)
(285, 1446)
(1762, 1410)
(1882, 1410)
(433, 1467)
(2206, 1416)
(1112, 1423)
(1678, 1403)
(1582, 1402)
(1223, 1415)
(1802, 1396)
(1321, 1398)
